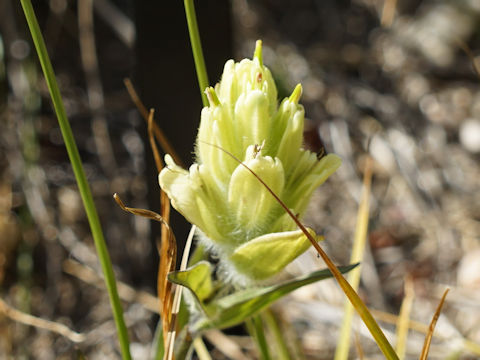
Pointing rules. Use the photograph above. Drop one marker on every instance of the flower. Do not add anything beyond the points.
(240, 220)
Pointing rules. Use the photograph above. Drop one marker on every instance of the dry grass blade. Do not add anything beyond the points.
(28, 319)
(357, 303)
(140, 212)
(135, 98)
(168, 254)
(226, 345)
(159, 134)
(168, 247)
(404, 318)
(431, 328)
(153, 145)
(468, 345)
(171, 331)
(388, 13)
(393, 319)
(359, 243)
(358, 346)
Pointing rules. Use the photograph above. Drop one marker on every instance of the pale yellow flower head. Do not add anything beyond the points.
(240, 220)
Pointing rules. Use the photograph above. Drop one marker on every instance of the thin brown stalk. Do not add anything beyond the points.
(153, 144)
(167, 250)
(159, 134)
(168, 247)
(431, 328)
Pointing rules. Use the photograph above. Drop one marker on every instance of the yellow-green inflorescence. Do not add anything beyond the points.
(239, 220)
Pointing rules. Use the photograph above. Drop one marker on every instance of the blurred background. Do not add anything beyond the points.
(397, 81)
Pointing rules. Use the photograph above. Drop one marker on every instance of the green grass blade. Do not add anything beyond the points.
(196, 49)
(255, 328)
(201, 349)
(158, 349)
(280, 343)
(80, 177)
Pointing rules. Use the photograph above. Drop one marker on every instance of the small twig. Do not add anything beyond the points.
(37, 322)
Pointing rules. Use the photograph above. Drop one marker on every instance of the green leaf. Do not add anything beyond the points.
(235, 308)
(268, 254)
(197, 278)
